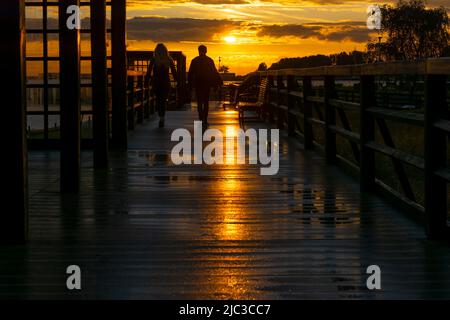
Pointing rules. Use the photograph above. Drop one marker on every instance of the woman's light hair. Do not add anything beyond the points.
(162, 56)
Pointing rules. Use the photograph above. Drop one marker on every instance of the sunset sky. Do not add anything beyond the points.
(245, 33)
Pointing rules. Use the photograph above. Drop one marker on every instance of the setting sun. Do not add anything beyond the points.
(245, 33)
(230, 39)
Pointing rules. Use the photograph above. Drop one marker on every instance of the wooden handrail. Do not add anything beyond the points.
(139, 98)
(420, 67)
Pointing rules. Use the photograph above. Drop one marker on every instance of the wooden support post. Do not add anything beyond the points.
(141, 97)
(119, 75)
(367, 134)
(45, 44)
(69, 49)
(13, 227)
(330, 120)
(181, 70)
(99, 83)
(279, 110)
(270, 108)
(435, 157)
(179, 86)
(291, 105)
(130, 107)
(307, 114)
(146, 95)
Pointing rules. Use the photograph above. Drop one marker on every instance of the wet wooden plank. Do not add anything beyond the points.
(146, 228)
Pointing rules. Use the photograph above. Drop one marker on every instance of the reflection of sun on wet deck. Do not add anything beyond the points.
(150, 229)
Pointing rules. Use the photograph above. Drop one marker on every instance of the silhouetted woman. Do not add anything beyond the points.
(161, 81)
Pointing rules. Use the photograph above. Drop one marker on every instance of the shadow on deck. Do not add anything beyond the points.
(149, 229)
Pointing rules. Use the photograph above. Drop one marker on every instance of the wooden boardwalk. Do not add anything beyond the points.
(149, 229)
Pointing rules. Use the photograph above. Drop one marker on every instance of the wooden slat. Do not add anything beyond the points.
(397, 154)
(443, 125)
(296, 113)
(346, 105)
(397, 196)
(394, 68)
(315, 99)
(299, 72)
(352, 136)
(438, 66)
(316, 121)
(297, 94)
(443, 173)
(416, 119)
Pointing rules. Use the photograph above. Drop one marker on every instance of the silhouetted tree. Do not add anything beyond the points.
(344, 58)
(411, 31)
(303, 62)
(262, 67)
(224, 69)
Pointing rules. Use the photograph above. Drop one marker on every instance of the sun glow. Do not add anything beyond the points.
(230, 39)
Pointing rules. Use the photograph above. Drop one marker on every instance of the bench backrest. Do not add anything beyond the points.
(234, 96)
(263, 90)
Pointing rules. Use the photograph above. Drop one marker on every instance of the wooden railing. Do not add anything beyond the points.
(140, 102)
(140, 60)
(317, 105)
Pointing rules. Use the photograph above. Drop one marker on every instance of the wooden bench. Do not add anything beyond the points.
(231, 98)
(255, 106)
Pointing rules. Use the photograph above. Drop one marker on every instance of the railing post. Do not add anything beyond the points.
(130, 107)
(181, 69)
(69, 49)
(140, 111)
(330, 120)
(291, 104)
(119, 74)
(99, 83)
(270, 85)
(367, 134)
(435, 157)
(279, 110)
(14, 225)
(152, 104)
(307, 114)
(146, 95)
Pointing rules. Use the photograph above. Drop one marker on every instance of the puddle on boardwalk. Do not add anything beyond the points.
(319, 207)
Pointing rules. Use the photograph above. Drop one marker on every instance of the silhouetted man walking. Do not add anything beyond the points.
(203, 76)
